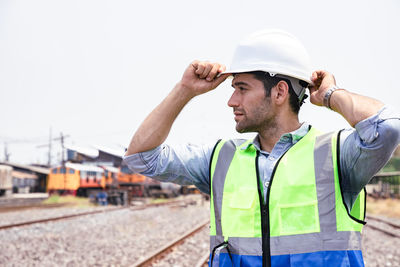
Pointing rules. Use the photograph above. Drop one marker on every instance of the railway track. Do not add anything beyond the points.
(383, 226)
(56, 218)
(144, 206)
(33, 206)
(374, 222)
(203, 261)
(165, 250)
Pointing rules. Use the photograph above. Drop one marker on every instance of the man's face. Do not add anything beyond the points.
(252, 109)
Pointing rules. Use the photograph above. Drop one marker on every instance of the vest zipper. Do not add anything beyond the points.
(265, 213)
(266, 262)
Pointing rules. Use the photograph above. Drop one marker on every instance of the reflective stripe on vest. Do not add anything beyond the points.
(326, 235)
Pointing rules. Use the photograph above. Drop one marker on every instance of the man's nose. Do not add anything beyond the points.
(234, 100)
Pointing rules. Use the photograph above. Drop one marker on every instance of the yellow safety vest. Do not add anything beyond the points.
(304, 221)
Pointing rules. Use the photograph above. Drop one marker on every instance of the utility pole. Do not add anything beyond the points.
(50, 146)
(49, 160)
(62, 138)
(6, 154)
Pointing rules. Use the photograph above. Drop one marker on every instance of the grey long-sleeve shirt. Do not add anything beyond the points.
(363, 152)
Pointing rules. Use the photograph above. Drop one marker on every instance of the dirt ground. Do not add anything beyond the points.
(385, 207)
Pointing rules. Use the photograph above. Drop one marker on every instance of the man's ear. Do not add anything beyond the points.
(281, 92)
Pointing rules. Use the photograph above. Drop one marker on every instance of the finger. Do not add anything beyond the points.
(314, 76)
(200, 68)
(217, 81)
(195, 64)
(213, 72)
(221, 69)
(312, 89)
(206, 71)
(317, 75)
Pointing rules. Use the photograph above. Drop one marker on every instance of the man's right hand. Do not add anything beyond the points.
(201, 77)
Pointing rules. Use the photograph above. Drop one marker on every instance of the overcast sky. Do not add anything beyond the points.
(94, 69)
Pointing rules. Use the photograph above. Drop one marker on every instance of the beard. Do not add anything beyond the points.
(251, 126)
(257, 118)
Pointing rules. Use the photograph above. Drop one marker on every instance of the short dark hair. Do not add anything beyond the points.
(271, 81)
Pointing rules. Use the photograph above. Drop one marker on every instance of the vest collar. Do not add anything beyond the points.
(292, 137)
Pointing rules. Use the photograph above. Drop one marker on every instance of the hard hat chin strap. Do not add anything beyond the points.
(302, 96)
(298, 86)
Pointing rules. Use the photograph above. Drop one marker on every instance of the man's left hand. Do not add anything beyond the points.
(322, 81)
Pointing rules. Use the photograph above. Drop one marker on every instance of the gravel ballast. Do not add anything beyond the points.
(116, 238)
(123, 237)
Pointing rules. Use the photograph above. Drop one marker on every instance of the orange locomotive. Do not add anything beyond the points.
(75, 179)
(135, 182)
(84, 180)
(142, 186)
(111, 176)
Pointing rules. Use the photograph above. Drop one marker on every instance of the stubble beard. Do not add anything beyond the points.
(263, 119)
(253, 127)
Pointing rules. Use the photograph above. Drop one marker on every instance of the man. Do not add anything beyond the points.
(291, 196)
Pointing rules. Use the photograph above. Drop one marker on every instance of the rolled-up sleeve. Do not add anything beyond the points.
(184, 164)
(366, 149)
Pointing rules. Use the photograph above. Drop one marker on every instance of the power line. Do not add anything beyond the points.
(61, 138)
(10, 140)
(49, 145)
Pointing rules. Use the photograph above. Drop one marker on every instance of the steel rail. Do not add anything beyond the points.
(144, 206)
(394, 225)
(6, 208)
(2, 227)
(203, 261)
(385, 231)
(160, 253)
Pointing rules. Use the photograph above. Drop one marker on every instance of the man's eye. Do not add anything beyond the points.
(242, 88)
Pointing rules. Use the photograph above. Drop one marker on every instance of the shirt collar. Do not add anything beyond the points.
(292, 137)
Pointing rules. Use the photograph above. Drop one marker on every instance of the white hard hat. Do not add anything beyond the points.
(273, 51)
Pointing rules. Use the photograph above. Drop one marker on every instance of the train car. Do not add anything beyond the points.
(86, 180)
(76, 179)
(190, 189)
(24, 182)
(385, 185)
(111, 176)
(154, 188)
(6, 184)
(133, 182)
(127, 177)
(142, 186)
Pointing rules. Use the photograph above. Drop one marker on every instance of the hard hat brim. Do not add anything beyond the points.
(235, 71)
